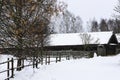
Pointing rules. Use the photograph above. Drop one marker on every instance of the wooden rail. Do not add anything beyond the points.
(46, 59)
(11, 67)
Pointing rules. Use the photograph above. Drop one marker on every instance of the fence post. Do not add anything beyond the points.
(22, 62)
(49, 59)
(46, 59)
(59, 57)
(33, 62)
(41, 60)
(36, 64)
(12, 68)
(69, 56)
(66, 57)
(56, 59)
(8, 67)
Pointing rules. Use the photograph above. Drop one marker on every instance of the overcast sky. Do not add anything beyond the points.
(89, 9)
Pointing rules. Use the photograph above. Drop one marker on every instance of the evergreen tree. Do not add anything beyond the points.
(103, 25)
(94, 26)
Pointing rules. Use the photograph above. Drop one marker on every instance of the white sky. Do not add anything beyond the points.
(89, 9)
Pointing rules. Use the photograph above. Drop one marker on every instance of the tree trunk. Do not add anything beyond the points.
(19, 64)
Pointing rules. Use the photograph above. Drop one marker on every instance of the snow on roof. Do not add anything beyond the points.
(118, 37)
(77, 38)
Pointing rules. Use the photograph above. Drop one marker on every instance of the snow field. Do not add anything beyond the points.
(97, 68)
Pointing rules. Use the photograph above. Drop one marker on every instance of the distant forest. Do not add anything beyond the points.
(67, 22)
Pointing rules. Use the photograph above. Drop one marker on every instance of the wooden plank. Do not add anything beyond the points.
(8, 67)
(4, 71)
(12, 68)
(5, 62)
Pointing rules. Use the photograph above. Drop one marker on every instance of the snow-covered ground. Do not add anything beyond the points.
(97, 68)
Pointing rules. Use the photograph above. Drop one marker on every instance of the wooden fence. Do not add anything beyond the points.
(9, 63)
(46, 59)
(34, 62)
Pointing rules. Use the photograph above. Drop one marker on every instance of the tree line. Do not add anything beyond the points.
(105, 25)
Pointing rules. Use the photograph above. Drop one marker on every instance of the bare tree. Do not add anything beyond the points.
(117, 9)
(87, 39)
(76, 23)
(24, 24)
(67, 23)
(117, 16)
